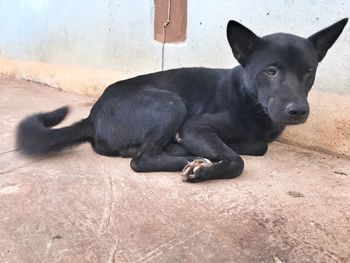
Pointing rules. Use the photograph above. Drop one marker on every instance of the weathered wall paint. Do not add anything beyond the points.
(118, 34)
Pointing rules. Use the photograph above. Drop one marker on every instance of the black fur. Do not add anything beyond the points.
(166, 119)
(36, 138)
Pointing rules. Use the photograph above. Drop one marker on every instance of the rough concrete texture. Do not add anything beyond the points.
(291, 205)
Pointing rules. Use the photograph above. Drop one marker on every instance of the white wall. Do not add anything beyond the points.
(119, 34)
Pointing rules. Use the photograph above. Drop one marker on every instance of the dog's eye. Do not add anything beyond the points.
(309, 71)
(271, 71)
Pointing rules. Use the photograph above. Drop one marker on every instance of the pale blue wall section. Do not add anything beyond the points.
(100, 34)
(118, 34)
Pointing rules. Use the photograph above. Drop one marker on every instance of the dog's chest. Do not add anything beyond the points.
(266, 131)
(249, 129)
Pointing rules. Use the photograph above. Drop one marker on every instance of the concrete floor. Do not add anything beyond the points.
(291, 205)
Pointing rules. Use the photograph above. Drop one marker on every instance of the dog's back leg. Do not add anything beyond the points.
(139, 122)
(175, 149)
(156, 162)
(152, 156)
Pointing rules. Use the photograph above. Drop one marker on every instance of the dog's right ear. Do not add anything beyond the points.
(242, 41)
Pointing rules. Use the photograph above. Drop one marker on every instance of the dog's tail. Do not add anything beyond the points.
(36, 138)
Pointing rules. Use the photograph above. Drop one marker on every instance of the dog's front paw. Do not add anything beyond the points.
(192, 171)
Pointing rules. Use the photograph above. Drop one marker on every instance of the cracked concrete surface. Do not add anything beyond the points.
(292, 204)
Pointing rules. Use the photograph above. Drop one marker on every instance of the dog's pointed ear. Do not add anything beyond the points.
(325, 38)
(242, 41)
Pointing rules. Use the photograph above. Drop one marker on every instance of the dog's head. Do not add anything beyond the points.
(279, 69)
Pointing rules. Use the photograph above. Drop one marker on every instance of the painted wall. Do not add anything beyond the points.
(97, 34)
(118, 35)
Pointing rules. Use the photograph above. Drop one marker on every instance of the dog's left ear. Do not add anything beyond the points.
(242, 41)
(325, 38)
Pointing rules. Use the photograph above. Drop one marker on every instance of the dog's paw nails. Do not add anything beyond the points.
(191, 170)
(191, 176)
(195, 169)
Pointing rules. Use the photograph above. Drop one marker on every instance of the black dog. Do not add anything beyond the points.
(174, 119)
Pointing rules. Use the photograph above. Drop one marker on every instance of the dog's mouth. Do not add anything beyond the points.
(280, 113)
(286, 113)
(290, 122)
(280, 117)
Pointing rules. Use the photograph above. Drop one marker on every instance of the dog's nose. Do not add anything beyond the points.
(297, 110)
